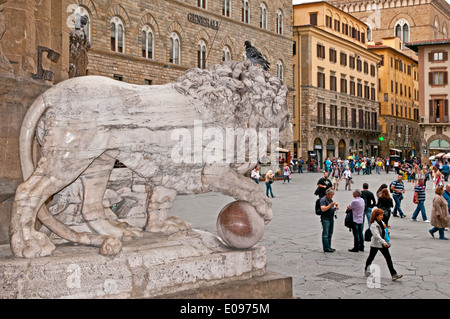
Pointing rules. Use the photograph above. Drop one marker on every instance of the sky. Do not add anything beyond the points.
(304, 1)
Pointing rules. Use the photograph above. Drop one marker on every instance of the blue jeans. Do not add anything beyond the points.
(397, 208)
(269, 188)
(327, 232)
(358, 237)
(421, 207)
(367, 215)
(441, 231)
(286, 177)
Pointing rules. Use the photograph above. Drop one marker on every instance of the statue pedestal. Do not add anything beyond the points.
(156, 266)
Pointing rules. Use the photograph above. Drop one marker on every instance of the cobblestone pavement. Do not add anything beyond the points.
(293, 243)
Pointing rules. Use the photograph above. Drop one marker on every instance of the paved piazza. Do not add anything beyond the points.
(294, 248)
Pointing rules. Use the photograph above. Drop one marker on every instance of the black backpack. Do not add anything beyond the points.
(318, 210)
(390, 187)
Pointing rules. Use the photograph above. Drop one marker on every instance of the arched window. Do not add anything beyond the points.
(117, 35)
(280, 70)
(201, 54)
(147, 42)
(402, 31)
(245, 11)
(279, 21)
(263, 16)
(444, 32)
(226, 54)
(369, 32)
(174, 48)
(436, 29)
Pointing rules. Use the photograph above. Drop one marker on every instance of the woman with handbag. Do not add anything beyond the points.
(385, 203)
(269, 181)
(439, 213)
(379, 243)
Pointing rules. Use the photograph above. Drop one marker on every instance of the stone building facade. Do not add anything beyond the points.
(399, 99)
(336, 106)
(410, 20)
(434, 91)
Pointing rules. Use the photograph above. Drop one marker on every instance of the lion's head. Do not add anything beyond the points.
(239, 93)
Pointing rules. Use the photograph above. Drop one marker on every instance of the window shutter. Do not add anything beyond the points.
(430, 78)
(430, 57)
(445, 56)
(430, 110)
(445, 111)
(445, 77)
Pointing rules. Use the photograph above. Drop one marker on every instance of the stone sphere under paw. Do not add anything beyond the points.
(239, 225)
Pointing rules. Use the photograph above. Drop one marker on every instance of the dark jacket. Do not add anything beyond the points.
(369, 198)
(385, 203)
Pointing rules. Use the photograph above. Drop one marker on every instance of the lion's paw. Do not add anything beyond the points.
(111, 246)
(171, 224)
(36, 245)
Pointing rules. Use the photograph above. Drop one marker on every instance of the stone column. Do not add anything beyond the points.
(6, 69)
(21, 39)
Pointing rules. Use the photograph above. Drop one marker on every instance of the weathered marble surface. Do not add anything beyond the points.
(155, 265)
(86, 123)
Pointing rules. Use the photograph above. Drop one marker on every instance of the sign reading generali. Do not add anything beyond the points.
(206, 22)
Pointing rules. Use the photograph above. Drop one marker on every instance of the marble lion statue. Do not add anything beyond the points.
(86, 123)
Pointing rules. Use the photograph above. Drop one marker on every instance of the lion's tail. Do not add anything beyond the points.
(27, 132)
(26, 138)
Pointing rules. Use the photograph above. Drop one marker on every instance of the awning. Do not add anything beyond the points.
(447, 155)
(440, 155)
(396, 150)
(283, 150)
(431, 158)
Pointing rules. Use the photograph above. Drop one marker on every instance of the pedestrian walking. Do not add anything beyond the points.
(370, 202)
(255, 175)
(398, 189)
(379, 243)
(439, 213)
(322, 185)
(336, 173)
(328, 207)
(357, 206)
(385, 203)
(348, 178)
(419, 199)
(269, 181)
(286, 173)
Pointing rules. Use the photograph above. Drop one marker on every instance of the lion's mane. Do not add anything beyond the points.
(237, 92)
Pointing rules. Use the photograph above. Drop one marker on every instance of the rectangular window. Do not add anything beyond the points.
(343, 59)
(351, 62)
(328, 21)
(438, 78)
(320, 51)
(321, 118)
(359, 89)
(333, 84)
(333, 55)
(313, 19)
(343, 85)
(352, 86)
(320, 78)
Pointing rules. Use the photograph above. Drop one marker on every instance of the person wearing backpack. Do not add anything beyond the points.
(328, 207)
(398, 189)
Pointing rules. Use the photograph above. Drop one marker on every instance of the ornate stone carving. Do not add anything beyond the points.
(84, 124)
(79, 46)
